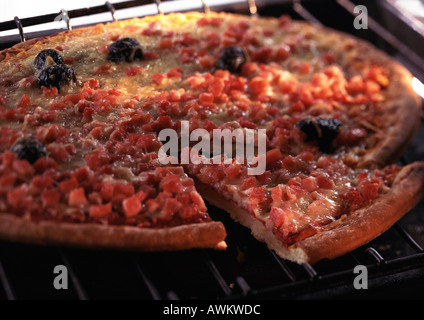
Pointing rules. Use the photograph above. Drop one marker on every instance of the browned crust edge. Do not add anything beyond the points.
(346, 233)
(93, 236)
(360, 227)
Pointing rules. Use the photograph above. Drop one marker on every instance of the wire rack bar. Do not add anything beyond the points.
(289, 273)
(408, 238)
(74, 279)
(217, 275)
(304, 13)
(147, 281)
(10, 295)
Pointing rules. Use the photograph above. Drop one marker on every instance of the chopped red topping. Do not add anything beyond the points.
(132, 206)
(77, 197)
(100, 211)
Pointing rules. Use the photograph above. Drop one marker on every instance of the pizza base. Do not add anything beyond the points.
(94, 236)
(343, 235)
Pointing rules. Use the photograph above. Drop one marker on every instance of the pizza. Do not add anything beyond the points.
(83, 115)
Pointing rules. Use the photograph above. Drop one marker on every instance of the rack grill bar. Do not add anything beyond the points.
(18, 23)
(376, 255)
(304, 13)
(408, 238)
(75, 281)
(111, 8)
(217, 275)
(147, 281)
(283, 266)
(6, 284)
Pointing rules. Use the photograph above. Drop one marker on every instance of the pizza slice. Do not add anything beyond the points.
(159, 209)
(311, 208)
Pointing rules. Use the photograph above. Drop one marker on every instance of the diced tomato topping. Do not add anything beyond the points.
(258, 85)
(353, 198)
(250, 182)
(7, 137)
(160, 123)
(152, 29)
(351, 136)
(68, 185)
(104, 69)
(273, 156)
(132, 206)
(49, 92)
(210, 174)
(166, 44)
(50, 197)
(198, 200)
(97, 159)
(77, 197)
(175, 72)
(23, 168)
(122, 191)
(310, 184)
(134, 70)
(369, 190)
(150, 55)
(206, 98)
(256, 197)
(172, 183)
(262, 55)
(16, 196)
(158, 78)
(100, 211)
(284, 20)
(233, 171)
(379, 75)
(104, 49)
(7, 184)
(106, 191)
(82, 174)
(24, 102)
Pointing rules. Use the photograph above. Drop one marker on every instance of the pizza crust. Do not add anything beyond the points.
(94, 236)
(343, 235)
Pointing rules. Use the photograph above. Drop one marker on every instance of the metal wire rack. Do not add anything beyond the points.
(248, 269)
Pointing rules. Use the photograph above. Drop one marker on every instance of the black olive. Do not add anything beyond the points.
(127, 49)
(55, 76)
(29, 148)
(231, 59)
(41, 59)
(322, 130)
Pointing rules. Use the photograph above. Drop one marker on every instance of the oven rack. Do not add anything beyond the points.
(395, 260)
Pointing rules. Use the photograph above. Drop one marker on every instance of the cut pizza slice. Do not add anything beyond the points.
(159, 209)
(324, 210)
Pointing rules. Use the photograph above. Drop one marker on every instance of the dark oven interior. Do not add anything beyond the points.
(247, 269)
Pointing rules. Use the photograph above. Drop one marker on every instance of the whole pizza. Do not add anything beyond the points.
(100, 129)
